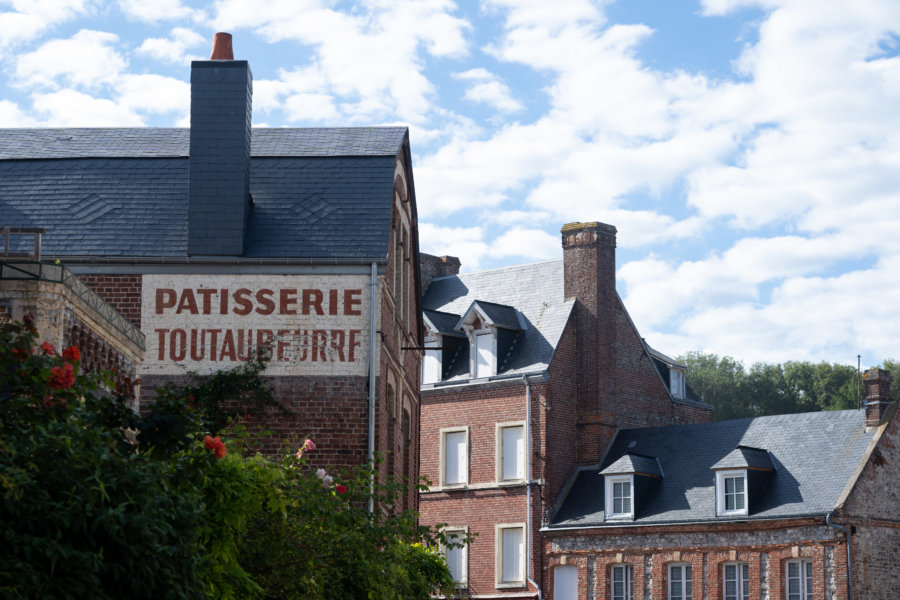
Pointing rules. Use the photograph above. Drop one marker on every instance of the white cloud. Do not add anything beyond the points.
(159, 10)
(370, 61)
(153, 94)
(70, 108)
(465, 243)
(486, 88)
(30, 18)
(174, 48)
(88, 59)
(530, 244)
(13, 116)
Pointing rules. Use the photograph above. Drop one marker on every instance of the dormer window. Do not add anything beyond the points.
(731, 492)
(491, 329)
(676, 382)
(741, 478)
(631, 477)
(442, 342)
(619, 497)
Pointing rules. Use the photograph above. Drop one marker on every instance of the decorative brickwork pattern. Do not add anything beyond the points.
(123, 292)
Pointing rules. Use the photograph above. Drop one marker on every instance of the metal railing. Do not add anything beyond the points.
(57, 273)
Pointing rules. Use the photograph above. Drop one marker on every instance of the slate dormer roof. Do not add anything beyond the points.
(319, 194)
(498, 315)
(744, 457)
(814, 457)
(535, 291)
(442, 323)
(636, 464)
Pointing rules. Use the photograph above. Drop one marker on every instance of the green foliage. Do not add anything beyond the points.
(769, 389)
(86, 512)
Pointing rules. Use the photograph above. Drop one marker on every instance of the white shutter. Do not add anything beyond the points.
(513, 453)
(565, 582)
(456, 560)
(455, 457)
(431, 367)
(512, 554)
(484, 353)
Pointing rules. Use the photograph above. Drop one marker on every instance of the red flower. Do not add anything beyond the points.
(340, 488)
(62, 377)
(48, 348)
(215, 445)
(71, 353)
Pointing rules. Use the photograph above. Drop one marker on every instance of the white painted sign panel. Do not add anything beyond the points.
(312, 324)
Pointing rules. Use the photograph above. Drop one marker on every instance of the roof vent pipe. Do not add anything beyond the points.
(221, 49)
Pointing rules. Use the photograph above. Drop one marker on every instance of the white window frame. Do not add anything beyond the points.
(461, 532)
(742, 581)
(499, 454)
(721, 477)
(431, 361)
(443, 457)
(611, 481)
(676, 382)
(627, 573)
(499, 555)
(685, 581)
(491, 367)
(804, 579)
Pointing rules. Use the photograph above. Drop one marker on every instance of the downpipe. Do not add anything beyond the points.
(849, 553)
(528, 549)
(372, 331)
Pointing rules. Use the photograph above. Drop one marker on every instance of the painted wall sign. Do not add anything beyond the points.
(312, 324)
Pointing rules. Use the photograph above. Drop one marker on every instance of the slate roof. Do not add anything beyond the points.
(442, 323)
(745, 458)
(318, 194)
(535, 290)
(815, 456)
(634, 463)
(500, 315)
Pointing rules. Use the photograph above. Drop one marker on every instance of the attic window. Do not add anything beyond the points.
(485, 354)
(619, 496)
(676, 382)
(731, 492)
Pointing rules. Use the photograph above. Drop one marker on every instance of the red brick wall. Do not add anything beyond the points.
(123, 292)
(562, 416)
(764, 546)
(483, 504)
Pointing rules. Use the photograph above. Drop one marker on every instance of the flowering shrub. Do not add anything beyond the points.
(87, 513)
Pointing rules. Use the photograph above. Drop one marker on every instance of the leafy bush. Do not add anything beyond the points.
(99, 502)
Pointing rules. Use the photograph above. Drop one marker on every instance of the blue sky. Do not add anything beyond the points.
(746, 150)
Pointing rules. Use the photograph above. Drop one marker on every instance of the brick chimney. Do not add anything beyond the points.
(589, 266)
(878, 395)
(219, 195)
(431, 266)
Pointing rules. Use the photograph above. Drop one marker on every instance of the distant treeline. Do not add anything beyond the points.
(771, 389)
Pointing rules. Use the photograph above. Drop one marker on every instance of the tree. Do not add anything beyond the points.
(769, 389)
(97, 501)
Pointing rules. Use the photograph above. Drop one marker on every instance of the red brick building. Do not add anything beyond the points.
(221, 238)
(787, 507)
(533, 370)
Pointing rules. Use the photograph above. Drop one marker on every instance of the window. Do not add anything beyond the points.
(454, 456)
(431, 366)
(457, 556)
(731, 492)
(680, 582)
(737, 581)
(622, 582)
(510, 555)
(484, 355)
(565, 582)
(799, 580)
(510, 451)
(676, 382)
(619, 497)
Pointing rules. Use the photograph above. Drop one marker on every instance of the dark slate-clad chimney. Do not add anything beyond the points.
(219, 197)
(878, 395)
(589, 267)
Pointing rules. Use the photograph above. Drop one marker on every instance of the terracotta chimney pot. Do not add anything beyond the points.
(221, 49)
